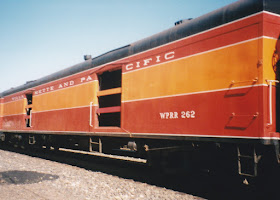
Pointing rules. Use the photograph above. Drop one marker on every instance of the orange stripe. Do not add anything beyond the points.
(209, 71)
(14, 108)
(268, 50)
(77, 96)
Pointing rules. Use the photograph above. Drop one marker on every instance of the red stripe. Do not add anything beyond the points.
(62, 120)
(13, 122)
(109, 109)
(271, 25)
(224, 113)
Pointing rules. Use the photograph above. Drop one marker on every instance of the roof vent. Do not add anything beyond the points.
(182, 21)
(87, 57)
(29, 81)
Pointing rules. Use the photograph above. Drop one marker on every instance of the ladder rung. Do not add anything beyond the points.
(244, 174)
(245, 156)
(94, 143)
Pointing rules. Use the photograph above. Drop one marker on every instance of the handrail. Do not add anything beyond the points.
(239, 82)
(254, 116)
(90, 114)
(270, 99)
(30, 118)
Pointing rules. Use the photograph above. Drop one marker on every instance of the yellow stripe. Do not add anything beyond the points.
(234, 66)
(14, 107)
(78, 96)
(268, 50)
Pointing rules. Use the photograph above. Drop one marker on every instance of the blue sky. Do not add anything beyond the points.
(40, 37)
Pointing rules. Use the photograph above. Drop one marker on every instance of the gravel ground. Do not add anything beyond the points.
(25, 177)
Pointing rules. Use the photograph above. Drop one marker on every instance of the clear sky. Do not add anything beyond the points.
(40, 37)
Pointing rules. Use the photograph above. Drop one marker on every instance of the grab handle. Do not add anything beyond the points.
(90, 114)
(270, 99)
(30, 118)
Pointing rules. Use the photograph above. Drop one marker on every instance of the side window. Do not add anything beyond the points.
(28, 109)
(109, 98)
(29, 99)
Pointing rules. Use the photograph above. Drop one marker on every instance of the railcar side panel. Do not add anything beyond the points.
(13, 113)
(210, 90)
(66, 106)
(213, 114)
(270, 52)
(64, 110)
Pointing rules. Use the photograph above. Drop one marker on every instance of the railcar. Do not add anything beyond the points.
(204, 91)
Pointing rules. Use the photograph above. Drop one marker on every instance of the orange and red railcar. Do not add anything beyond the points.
(207, 85)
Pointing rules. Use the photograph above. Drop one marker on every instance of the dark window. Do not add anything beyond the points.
(109, 119)
(109, 100)
(29, 98)
(27, 122)
(109, 80)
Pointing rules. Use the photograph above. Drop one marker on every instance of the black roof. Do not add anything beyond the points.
(218, 17)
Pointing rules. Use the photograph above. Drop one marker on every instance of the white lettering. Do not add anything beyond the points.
(169, 55)
(147, 61)
(83, 79)
(129, 67)
(89, 78)
(169, 115)
(192, 114)
(188, 114)
(137, 64)
(158, 60)
(175, 115)
(162, 116)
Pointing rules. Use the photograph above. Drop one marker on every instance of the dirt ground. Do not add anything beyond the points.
(23, 177)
